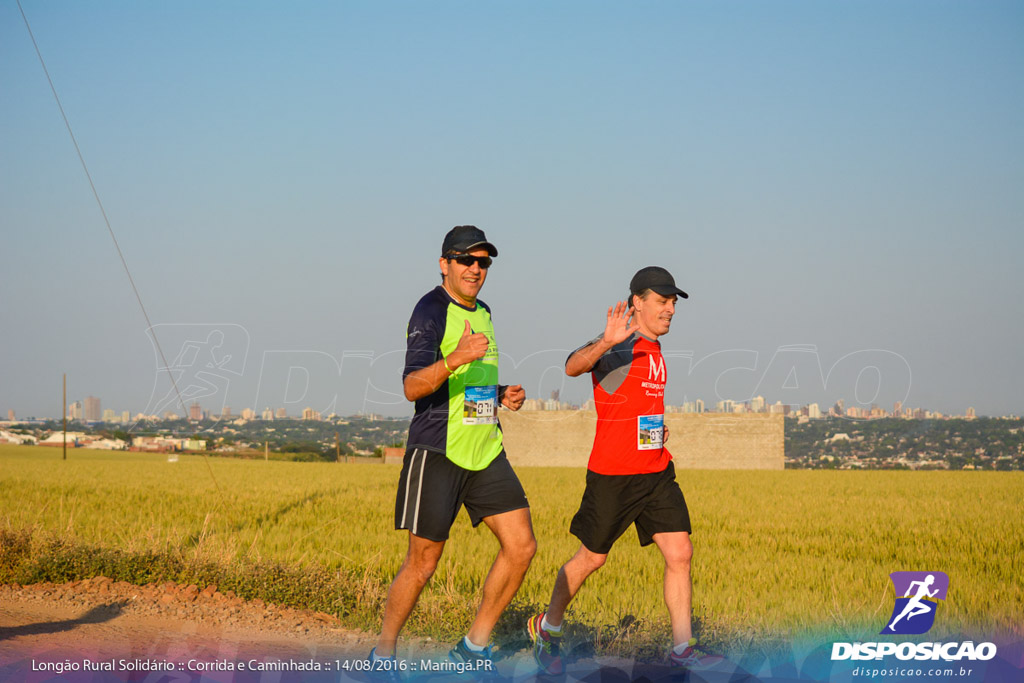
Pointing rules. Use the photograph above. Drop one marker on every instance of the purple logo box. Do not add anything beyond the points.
(916, 601)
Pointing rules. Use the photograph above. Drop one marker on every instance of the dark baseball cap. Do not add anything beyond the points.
(463, 238)
(657, 279)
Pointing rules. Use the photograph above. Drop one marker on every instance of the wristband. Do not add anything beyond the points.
(445, 361)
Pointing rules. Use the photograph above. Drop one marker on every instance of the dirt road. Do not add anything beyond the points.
(101, 630)
(105, 630)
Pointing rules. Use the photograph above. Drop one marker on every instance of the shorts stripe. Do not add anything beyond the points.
(408, 480)
(419, 493)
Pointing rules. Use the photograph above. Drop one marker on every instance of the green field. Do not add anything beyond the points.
(777, 554)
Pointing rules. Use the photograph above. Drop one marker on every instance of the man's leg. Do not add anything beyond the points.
(569, 580)
(677, 549)
(419, 565)
(518, 545)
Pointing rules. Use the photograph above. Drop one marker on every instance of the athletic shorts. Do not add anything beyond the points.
(432, 488)
(611, 502)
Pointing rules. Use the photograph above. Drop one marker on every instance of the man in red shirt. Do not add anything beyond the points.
(630, 475)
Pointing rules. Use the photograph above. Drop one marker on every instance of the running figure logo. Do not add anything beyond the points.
(917, 598)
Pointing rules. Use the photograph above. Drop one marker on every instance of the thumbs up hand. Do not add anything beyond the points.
(472, 346)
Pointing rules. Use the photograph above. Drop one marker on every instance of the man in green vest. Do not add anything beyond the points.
(454, 455)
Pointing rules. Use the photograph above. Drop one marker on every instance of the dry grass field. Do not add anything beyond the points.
(777, 554)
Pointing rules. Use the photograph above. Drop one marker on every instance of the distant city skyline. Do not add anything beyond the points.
(758, 404)
(837, 187)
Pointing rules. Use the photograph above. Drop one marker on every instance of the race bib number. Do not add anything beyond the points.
(650, 431)
(481, 406)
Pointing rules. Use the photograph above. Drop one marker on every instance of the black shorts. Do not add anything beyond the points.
(432, 488)
(611, 502)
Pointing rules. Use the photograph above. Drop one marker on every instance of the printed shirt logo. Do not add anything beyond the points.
(656, 370)
(917, 599)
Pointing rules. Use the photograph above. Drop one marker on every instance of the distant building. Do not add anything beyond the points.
(10, 415)
(745, 441)
(195, 411)
(970, 414)
(105, 444)
(75, 411)
(19, 439)
(153, 443)
(93, 411)
(108, 415)
(268, 414)
(281, 414)
(248, 414)
(57, 439)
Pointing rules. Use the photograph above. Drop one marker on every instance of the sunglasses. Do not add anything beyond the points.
(467, 260)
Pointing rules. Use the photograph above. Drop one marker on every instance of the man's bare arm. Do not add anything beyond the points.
(425, 381)
(584, 359)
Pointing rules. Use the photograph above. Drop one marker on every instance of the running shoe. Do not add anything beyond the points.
(694, 657)
(546, 646)
(476, 664)
(386, 672)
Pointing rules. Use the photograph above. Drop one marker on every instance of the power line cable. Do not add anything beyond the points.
(110, 230)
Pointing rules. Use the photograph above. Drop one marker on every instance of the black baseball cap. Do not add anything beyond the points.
(463, 238)
(657, 279)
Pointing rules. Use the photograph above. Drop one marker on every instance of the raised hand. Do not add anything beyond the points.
(620, 324)
(618, 329)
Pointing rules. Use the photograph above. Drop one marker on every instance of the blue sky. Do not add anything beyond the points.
(835, 184)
